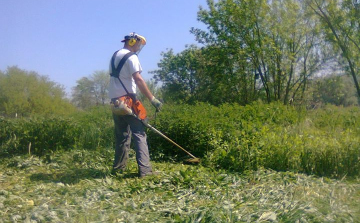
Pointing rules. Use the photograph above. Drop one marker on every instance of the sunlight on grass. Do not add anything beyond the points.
(69, 189)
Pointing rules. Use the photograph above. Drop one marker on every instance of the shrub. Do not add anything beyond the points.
(203, 128)
(323, 142)
(41, 135)
(233, 137)
(35, 135)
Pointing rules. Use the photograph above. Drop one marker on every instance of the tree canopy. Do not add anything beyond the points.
(251, 50)
(340, 21)
(261, 49)
(91, 91)
(25, 93)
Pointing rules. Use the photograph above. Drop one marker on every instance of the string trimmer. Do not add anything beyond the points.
(192, 160)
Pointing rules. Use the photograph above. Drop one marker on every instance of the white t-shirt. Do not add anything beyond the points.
(131, 66)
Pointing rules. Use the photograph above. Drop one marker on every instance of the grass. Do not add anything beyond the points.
(76, 186)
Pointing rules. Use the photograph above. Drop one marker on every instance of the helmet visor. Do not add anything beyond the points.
(140, 48)
(142, 42)
(141, 38)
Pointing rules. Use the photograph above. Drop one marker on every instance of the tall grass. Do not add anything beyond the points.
(238, 138)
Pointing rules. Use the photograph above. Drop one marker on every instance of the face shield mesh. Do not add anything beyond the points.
(142, 43)
(140, 48)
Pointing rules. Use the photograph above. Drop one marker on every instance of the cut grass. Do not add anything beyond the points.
(76, 186)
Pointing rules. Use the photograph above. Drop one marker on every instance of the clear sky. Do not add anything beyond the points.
(70, 39)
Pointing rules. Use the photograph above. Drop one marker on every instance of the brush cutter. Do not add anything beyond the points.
(192, 160)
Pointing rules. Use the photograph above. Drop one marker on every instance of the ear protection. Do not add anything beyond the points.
(132, 40)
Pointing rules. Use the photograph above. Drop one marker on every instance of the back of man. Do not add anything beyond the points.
(131, 66)
(127, 126)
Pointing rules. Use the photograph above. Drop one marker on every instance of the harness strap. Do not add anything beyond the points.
(116, 72)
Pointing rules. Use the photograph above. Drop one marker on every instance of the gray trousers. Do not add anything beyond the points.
(127, 127)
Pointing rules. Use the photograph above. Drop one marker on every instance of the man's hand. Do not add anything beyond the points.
(156, 103)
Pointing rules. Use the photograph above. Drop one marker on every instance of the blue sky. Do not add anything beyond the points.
(70, 39)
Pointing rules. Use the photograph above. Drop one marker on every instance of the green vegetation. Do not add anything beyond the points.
(90, 91)
(295, 158)
(24, 93)
(44, 135)
(268, 50)
(239, 138)
(232, 137)
(75, 186)
(254, 160)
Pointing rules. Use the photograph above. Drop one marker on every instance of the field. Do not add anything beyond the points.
(260, 163)
(76, 186)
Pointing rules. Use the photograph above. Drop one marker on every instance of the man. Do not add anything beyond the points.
(127, 126)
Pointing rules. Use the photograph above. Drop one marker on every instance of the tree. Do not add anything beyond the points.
(178, 74)
(281, 43)
(25, 93)
(273, 40)
(91, 91)
(228, 43)
(100, 88)
(341, 25)
(83, 93)
(334, 89)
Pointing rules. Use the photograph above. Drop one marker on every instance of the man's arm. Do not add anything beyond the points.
(141, 84)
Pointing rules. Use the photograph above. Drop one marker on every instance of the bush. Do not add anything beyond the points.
(322, 142)
(35, 135)
(204, 128)
(238, 138)
(41, 135)
(97, 128)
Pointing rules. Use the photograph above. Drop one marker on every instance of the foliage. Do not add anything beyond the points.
(179, 74)
(262, 49)
(341, 26)
(24, 93)
(336, 90)
(44, 135)
(253, 49)
(279, 137)
(75, 186)
(232, 137)
(202, 128)
(97, 130)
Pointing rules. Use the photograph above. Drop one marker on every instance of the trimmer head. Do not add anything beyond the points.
(192, 161)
